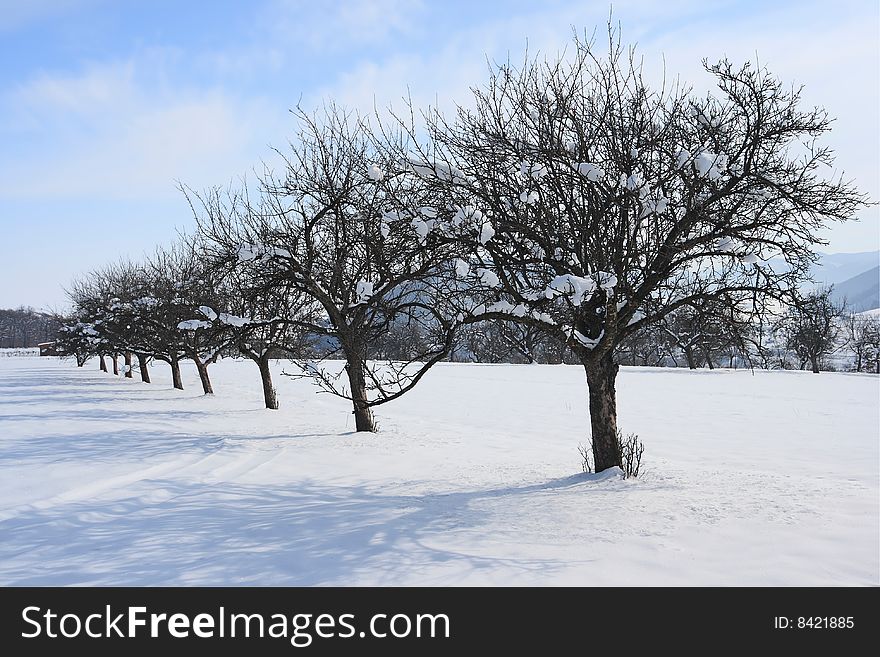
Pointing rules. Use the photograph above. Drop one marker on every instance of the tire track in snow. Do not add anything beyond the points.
(236, 468)
(101, 486)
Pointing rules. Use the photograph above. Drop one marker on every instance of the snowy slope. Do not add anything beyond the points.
(765, 478)
(860, 292)
(835, 268)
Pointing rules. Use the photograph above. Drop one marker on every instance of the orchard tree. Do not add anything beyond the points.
(350, 224)
(159, 301)
(77, 339)
(863, 339)
(703, 330)
(193, 289)
(811, 327)
(650, 346)
(613, 204)
(260, 322)
(91, 296)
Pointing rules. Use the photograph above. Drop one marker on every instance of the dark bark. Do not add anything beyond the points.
(103, 363)
(203, 376)
(269, 395)
(814, 362)
(115, 359)
(601, 376)
(175, 373)
(363, 415)
(689, 355)
(128, 373)
(145, 370)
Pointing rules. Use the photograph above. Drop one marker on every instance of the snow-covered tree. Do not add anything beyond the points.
(612, 204)
(92, 296)
(261, 321)
(76, 339)
(191, 288)
(349, 223)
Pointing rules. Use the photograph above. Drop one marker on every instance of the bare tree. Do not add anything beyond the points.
(811, 327)
(650, 346)
(706, 329)
(863, 340)
(262, 322)
(612, 205)
(159, 298)
(351, 225)
(198, 291)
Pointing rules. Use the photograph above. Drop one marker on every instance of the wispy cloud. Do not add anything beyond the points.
(115, 132)
(116, 128)
(335, 26)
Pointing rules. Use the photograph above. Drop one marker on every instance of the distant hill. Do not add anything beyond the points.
(862, 292)
(834, 268)
(25, 327)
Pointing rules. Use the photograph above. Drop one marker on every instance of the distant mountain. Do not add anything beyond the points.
(862, 292)
(834, 268)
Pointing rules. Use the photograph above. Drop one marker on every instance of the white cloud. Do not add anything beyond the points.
(114, 132)
(335, 26)
(128, 128)
(832, 50)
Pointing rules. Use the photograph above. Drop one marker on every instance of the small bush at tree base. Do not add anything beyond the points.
(631, 450)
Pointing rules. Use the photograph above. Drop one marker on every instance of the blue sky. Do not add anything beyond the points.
(104, 104)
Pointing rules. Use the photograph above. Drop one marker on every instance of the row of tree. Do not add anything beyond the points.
(811, 331)
(570, 202)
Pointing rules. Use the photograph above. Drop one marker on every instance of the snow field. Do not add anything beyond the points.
(764, 478)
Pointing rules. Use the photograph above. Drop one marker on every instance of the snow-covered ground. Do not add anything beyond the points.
(764, 478)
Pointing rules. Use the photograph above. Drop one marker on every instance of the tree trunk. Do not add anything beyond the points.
(709, 360)
(103, 363)
(115, 359)
(145, 370)
(814, 362)
(858, 361)
(175, 373)
(601, 375)
(128, 373)
(363, 415)
(203, 376)
(269, 395)
(689, 355)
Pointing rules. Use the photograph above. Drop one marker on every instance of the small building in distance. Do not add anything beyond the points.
(47, 349)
